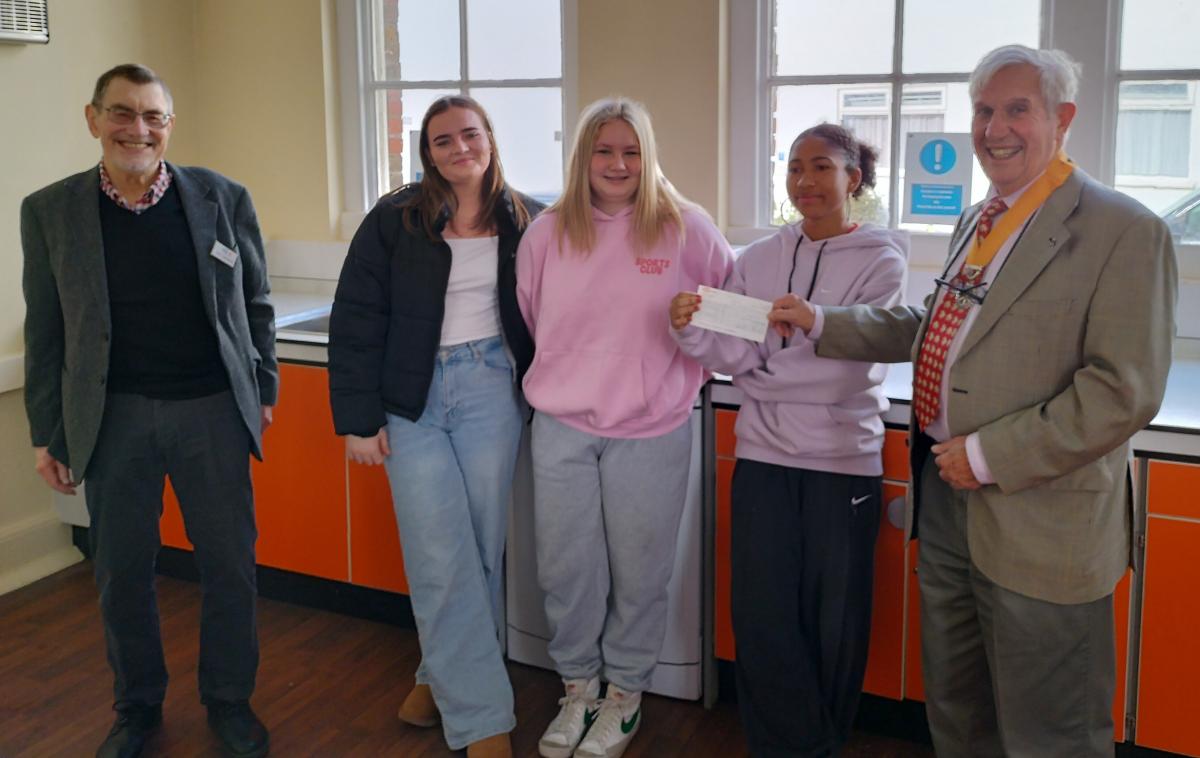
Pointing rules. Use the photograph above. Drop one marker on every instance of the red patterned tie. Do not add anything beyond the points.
(947, 318)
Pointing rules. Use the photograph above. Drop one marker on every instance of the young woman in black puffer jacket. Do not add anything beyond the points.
(426, 351)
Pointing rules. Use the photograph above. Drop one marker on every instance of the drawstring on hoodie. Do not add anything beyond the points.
(816, 269)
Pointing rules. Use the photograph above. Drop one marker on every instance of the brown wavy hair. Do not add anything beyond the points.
(435, 196)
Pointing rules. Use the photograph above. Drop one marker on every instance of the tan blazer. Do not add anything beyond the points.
(1067, 359)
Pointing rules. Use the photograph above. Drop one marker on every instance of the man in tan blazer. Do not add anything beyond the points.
(1044, 348)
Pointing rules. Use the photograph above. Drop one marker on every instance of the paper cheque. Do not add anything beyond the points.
(727, 313)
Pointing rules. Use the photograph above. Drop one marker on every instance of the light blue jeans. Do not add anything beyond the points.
(451, 477)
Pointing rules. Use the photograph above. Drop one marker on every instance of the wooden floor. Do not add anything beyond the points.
(328, 685)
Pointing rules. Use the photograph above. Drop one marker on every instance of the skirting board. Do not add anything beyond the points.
(34, 548)
(12, 372)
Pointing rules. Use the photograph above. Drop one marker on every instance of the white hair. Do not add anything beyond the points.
(1058, 72)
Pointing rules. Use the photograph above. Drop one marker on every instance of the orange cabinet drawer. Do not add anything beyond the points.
(1174, 489)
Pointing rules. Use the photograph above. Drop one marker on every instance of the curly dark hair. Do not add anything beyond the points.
(857, 153)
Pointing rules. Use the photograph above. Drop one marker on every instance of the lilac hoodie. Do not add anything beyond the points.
(604, 361)
(800, 410)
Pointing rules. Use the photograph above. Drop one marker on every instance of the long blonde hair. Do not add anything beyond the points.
(657, 202)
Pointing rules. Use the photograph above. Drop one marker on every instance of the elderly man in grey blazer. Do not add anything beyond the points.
(150, 352)
(1044, 348)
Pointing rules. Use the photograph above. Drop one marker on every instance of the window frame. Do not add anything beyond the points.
(358, 86)
(1088, 30)
(750, 70)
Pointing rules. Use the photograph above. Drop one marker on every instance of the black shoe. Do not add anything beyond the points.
(129, 732)
(242, 734)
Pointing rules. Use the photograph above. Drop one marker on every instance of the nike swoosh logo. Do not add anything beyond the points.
(627, 726)
(588, 717)
(857, 500)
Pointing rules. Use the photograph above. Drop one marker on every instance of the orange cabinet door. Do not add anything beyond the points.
(1168, 700)
(300, 487)
(726, 442)
(170, 526)
(376, 559)
(723, 619)
(884, 674)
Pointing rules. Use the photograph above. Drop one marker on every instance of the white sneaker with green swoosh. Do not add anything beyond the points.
(580, 706)
(618, 721)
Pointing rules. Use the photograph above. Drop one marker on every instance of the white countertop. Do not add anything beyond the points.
(1176, 428)
(291, 307)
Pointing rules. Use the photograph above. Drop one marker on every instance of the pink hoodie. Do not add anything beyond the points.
(605, 362)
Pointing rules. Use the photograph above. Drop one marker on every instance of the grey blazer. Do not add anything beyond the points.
(67, 321)
(1067, 359)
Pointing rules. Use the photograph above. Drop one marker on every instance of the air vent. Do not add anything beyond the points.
(24, 21)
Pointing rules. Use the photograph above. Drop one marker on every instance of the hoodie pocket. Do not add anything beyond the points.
(606, 388)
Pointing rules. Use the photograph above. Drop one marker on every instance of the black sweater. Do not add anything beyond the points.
(163, 345)
(386, 324)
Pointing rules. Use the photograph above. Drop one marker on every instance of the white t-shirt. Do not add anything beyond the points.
(472, 312)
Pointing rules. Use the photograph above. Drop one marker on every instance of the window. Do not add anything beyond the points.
(819, 66)
(1157, 157)
(508, 56)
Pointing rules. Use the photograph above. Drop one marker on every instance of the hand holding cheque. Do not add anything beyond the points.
(740, 316)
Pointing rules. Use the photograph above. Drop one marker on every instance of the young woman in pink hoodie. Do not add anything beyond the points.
(613, 395)
(806, 492)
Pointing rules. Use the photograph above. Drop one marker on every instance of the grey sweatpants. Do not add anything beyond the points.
(606, 520)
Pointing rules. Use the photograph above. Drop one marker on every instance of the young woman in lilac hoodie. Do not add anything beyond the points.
(808, 482)
(611, 435)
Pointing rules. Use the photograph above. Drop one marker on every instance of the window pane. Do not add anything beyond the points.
(528, 126)
(514, 39)
(1156, 128)
(822, 37)
(933, 42)
(860, 108)
(420, 40)
(400, 113)
(1160, 34)
(944, 107)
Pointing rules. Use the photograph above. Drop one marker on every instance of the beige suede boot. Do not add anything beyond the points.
(418, 708)
(496, 746)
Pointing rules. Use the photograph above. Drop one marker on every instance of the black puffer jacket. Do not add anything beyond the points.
(387, 314)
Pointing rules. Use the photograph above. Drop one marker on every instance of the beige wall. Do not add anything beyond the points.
(266, 109)
(44, 89)
(255, 87)
(669, 55)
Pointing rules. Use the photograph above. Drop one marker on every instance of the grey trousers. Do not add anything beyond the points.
(1006, 674)
(203, 445)
(606, 521)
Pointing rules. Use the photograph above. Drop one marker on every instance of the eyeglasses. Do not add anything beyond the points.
(122, 116)
(973, 294)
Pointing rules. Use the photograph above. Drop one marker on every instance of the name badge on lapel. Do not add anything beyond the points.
(224, 254)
